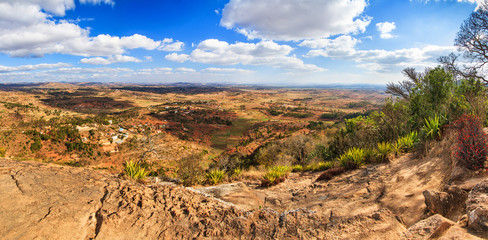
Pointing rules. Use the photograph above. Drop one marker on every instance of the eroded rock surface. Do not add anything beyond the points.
(44, 201)
(477, 207)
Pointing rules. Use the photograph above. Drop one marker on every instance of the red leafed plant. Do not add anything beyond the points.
(471, 148)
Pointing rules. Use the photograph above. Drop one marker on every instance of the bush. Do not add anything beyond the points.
(215, 176)
(190, 169)
(2, 152)
(408, 142)
(383, 150)
(471, 149)
(297, 168)
(293, 150)
(275, 175)
(317, 167)
(36, 145)
(236, 172)
(135, 171)
(353, 158)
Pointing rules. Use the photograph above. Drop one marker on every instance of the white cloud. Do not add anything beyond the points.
(109, 60)
(185, 70)
(341, 46)
(175, 57)
(268, 53)
(345, 48)
(169, 46)
(78, 70)
(385, 29)
(5, 69)
(28, 29)
(109, 2)
(478, 3)
(227, 70)
(292, 20)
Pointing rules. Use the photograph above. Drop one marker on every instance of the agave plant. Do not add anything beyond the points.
(134, 170)
(215, 176)
(275, 173)
(382, 150)
(432, 127)
(353, 158)
(407, 142)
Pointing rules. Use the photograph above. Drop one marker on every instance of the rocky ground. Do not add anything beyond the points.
(409, 198)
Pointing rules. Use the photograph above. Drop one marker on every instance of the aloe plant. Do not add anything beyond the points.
(135, 171)
(382, 150)
(407, 142)
(432, 127)
(353, 158)
(215, 176)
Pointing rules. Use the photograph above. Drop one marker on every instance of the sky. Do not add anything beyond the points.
(272, 42)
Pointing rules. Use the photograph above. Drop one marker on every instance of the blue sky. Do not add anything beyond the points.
(278, 42)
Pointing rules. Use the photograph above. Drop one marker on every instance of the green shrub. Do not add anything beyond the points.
(297, 168)
(432, 127)
(135, 171)
(36, 145)
(383, 150)
(275, 175)
(395, 149)
(215, 176)
(2, 152)
(236, 172)
(353, 158)
(408, 142)
(320, 166)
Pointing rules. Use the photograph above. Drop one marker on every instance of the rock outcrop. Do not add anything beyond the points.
(477, 207)
(450, 204)
(46, 201)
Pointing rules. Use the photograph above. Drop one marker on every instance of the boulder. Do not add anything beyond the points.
(437, 202)
(430, 228)
(450, 204)
(477, 207)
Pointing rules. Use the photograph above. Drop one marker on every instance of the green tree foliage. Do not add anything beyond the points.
(431, 95)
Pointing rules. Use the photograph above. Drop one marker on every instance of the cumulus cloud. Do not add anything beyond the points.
(175, 57)
(28, 29)
(340, 46)
(5, 69)
(109, 60)
(292, 20)
(267, 53)
(169, 45)
(345, 48)
(385, 29)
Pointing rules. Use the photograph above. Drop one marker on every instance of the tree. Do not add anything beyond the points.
(472, 41)
(404, 88)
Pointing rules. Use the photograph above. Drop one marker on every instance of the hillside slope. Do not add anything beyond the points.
(46, 201)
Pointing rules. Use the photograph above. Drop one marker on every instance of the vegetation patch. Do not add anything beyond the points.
(215, 176)
(275, 175)
(135, 170)
(471, 149)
